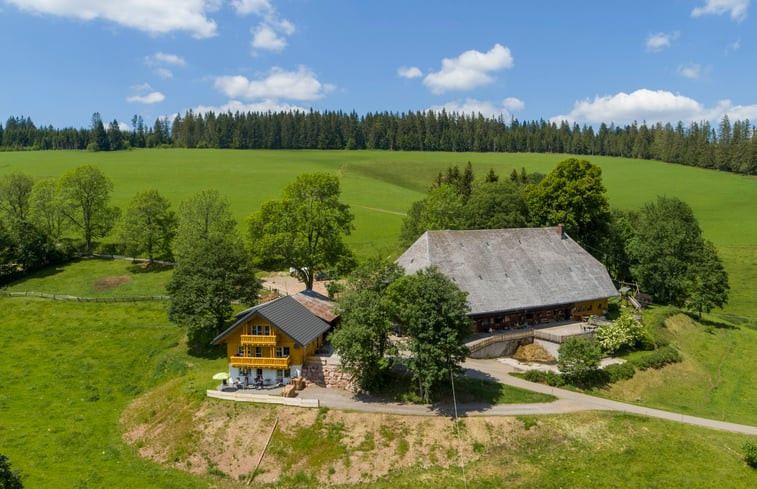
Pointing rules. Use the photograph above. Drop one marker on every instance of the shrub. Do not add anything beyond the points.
(535, 376)
(554, 379)
(624, 332)
(620, 371)
(577, 356)
(750, 454)
(657, 359)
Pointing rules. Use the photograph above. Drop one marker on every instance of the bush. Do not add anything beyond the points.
(624, 332)
(578, 356)
(535, 376)
(657, 359)
(620, 371)
(750, 454)
(554, 379)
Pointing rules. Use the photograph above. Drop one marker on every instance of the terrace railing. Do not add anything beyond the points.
(258, 339)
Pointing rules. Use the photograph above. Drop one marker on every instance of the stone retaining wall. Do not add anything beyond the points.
(324, 375)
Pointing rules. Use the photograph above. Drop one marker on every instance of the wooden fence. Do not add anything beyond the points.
(73, 298)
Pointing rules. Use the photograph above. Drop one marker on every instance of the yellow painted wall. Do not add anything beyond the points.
(589, 308)
(297, 355)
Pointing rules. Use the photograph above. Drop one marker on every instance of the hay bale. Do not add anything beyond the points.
(532, 353)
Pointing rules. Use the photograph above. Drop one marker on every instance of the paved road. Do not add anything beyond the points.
(567, 402)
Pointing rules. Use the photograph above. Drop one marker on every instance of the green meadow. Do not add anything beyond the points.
(380, 186)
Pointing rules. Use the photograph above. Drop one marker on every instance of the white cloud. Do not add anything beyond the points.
(257, 7)
(124, 127)
(264, 37)
(474, 107)
(234, 106)
(157, 17)
(658, 42)
(293, 85)
(164, 73)
(692, 71)
(737, 8)
(409, 72)
(150, 98)
(513, 104)
(469, 70)
(651, 106)
(165, 58)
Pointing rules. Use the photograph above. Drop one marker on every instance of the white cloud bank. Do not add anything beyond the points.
(279, 84)
(469, 70)
(737, 8)
(155, 17)
(409, 72)
(472, 106)
(652, 106)
(271, 33)
(658, 42)
(234, 106)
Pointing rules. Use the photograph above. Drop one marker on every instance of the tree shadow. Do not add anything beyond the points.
(720, 324)
(207, 352)
(145, 267)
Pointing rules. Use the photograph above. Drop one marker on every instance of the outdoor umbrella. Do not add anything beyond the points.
(221, 376)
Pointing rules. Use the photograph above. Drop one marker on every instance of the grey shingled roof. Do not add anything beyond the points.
(289, 316)
(512, 269)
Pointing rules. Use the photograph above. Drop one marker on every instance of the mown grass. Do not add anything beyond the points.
(68, 371)
(98, 277)
(391, 181)
(716, 378)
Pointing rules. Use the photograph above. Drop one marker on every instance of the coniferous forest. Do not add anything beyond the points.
(731, 146)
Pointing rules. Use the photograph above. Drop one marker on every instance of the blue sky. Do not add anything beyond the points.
(586, 62)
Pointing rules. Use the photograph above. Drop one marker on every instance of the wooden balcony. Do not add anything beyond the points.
(260, 362)
(258, 339)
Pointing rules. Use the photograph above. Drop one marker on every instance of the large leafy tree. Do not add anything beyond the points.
(147, 225)
(362, 339)
(496, 205)
(707, 284)
(667, 244)
(573, 194)
(432, 311)
(203, 216)
(208, 278)
(15, 190)
(85, 193)
(46, 208)
(304, 229)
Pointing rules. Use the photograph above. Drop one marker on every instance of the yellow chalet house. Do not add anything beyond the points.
(272, 340)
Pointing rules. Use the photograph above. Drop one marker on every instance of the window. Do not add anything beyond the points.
(258, 351)
(282, 351)
(284, 373)
(240, 351)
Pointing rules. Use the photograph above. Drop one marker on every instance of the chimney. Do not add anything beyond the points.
(561, 230)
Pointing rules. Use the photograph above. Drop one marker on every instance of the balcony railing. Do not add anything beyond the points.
(259, 339)
(260, 362)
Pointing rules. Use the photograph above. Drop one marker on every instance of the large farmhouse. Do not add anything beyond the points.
(271, 341)
(516, 276)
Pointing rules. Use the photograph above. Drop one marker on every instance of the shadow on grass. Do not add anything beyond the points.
(720, 324)
(207, 352)
(145, 267)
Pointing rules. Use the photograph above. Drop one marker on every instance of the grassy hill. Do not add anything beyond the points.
(381, 185)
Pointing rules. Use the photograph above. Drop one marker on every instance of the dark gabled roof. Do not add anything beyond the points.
(288, 315)
(512, 269)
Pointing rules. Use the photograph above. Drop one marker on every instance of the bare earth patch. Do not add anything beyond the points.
(111, 282)
(333, 446)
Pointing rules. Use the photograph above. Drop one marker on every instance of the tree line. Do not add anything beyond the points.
(728, 146)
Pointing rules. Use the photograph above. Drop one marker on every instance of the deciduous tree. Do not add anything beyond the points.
(85, 193)
(147, 225)
(707, 285)
(432, 312)
(203, 216)
(362, 338)
(573, 194)
(304, 229)
(15, 190)
(578, 357)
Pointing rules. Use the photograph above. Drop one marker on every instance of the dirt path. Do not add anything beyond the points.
(568, 401)
(287, 285)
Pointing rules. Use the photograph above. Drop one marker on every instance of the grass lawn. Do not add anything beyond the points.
(380, 186)
(98, 277)
(68, 371)
(716, 378)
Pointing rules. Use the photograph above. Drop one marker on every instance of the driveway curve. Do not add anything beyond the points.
(491, 369)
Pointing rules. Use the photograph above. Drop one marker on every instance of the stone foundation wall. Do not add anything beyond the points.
(502, 348)
(325, 376)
